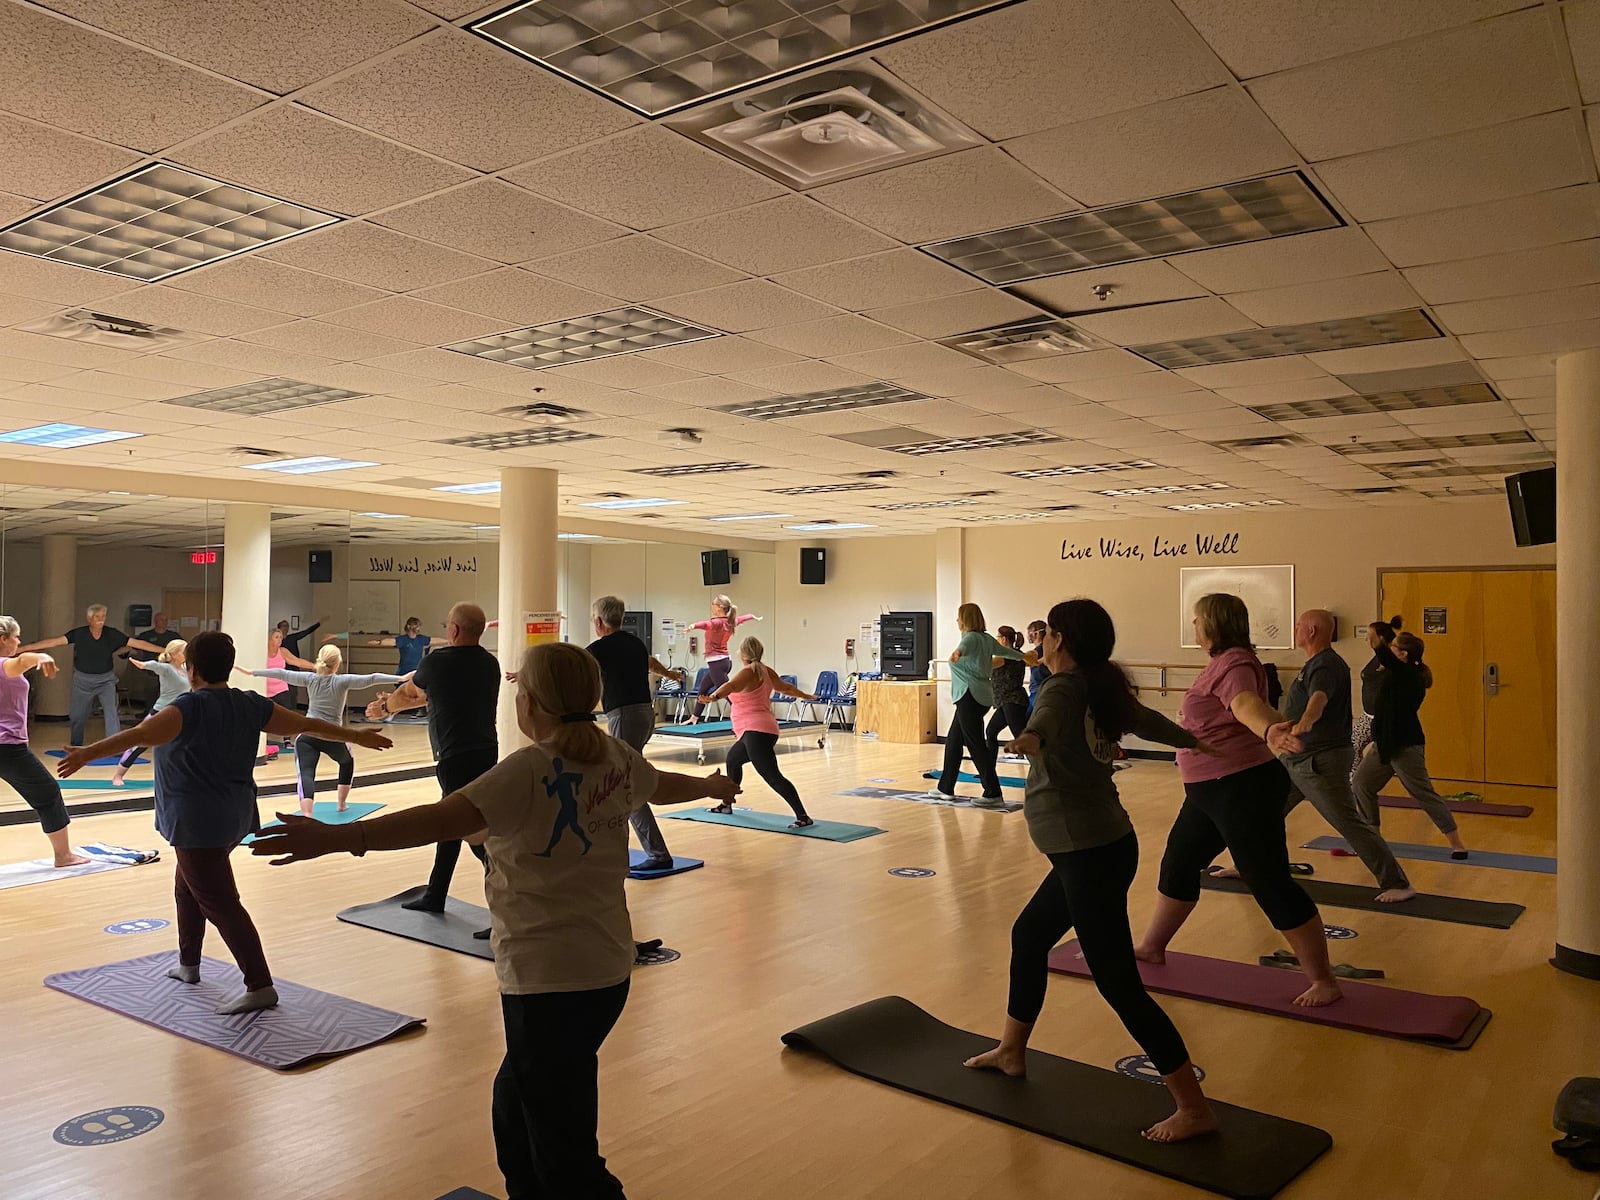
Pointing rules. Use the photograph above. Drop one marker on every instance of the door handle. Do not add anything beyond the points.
(1491, 678)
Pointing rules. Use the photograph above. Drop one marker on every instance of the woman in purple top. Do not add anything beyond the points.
(1234, 799)
(19, 767)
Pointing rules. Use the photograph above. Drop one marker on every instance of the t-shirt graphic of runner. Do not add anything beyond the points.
(564, 787)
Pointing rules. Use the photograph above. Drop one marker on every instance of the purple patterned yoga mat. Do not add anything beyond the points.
(307, 1024)
(1366, 1007)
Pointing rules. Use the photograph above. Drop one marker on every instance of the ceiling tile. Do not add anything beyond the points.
(880, 280)
(498, 221)
(1287, 392)
(1476, 75)
(1517, 312)
(279, 45)
(1583, 35)
(1066, 60)
(377, 257)
(22, 370)
(1138, 387)
(261, 281)
(1544, 269)
(721, 356)
(623, 371)
(956, 314)
(1326, 299)
(777, 235)
(1397, 357)
(415, 321)
(188, 376)
(1255, 37)
(76, 79)
(328, 341)
(741, 307)
(262, 360)
(1165, 322)
(1093, 364)
(158, 305)
(832, 335)
(43, 163)
(1250, 373)
(1542, 339)
(1563, 215)
(1278, 262)
(15, 310)
(969, 192)
(457, 96)
(1175, 146)
(1131, 283)
(21, 275)
(287, 152)
(636, 268)
(518, 298)
(897, 362)
(1513, 159)
(797, 379)
(13, 208)
(706, 393)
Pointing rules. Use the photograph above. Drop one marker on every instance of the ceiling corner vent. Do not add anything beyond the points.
(256, 452)
(541, 413)
(101, 329)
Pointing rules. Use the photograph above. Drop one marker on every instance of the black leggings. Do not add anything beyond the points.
(453, 774)
(1242, 812)
(966, 732)
(1087, 890)
(308, 751)
(760, 750)
(132, 756)
(1014, 715)
(31, 780)
(716, 675)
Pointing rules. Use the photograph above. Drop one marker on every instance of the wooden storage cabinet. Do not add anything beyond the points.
(906, 712)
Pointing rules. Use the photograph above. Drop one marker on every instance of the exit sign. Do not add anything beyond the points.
(203, 558)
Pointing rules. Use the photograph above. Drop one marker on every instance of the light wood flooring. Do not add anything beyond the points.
(700, 1100)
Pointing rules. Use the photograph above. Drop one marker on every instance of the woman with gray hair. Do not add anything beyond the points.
(95, 647)
(20, 769)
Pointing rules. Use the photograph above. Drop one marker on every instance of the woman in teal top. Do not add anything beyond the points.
(970, 664)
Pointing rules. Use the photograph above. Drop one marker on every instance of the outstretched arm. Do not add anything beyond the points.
(739, 683)
(675, 788)
(404, 698)
(300, 838)
(155, 730)
(784, 688)
(388, 641)
(1261, 719)
(294, 660)
(21, 664)
(43, 644)
(287, 721)
(656, 668)
(743, 617)
(141, 644)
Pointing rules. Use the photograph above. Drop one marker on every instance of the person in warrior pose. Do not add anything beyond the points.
(749, 695)
(168, 667)
(19, 767)
(95, 648)
(719, 628)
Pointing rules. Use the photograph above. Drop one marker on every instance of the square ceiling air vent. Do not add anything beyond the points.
(1345, 333)
(99, 329)
(582, 339)
(1023, 341)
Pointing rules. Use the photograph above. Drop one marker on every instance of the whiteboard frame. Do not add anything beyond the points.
(1280, 577)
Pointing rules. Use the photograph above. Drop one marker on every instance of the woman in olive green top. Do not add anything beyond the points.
(970, 665)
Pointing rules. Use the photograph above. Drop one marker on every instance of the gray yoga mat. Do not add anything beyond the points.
(922, 797)
(1429, 907)
(890, 1040)
(450, 930)
(1424, 853)
(746, 818)
(306, 1026)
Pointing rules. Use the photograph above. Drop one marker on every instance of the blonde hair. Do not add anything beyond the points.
(329, 659)
(730, 614)
(564, 680)
(751, 650)
(9, 627)
(970, 618)
(1224, 621)
(175, 646)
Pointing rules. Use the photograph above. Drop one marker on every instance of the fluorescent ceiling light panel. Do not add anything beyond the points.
(1401, 401)
(1228, 215)
(715, 468)
(157, 222)
(982, 441)
(657, 56)
(828, 526)
(384, 516)
(1138, 464)
(754, 517)
(1444, 442)
(807, 404)
(647, 502)
(560, 537)
(61, 436)
(824, 489)
(1023, 341)
(1024, 516)
(1442, 470)
(582, 339)
(264, 396)
(1163, 489)
(472, 489)
(518, 439)
(1211, 504)
(907, 505)
(313, 465)
(1450, 493)
(1345, 333)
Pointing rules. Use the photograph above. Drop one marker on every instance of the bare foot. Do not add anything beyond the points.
(117, 778)
(1225, 873)
(1396, 895)
(1150, 955)
(184, 974)
(343, 806)
(1007, 1062)
(266, 997)
(73, 860)
(1183, 1125)
(1318, 994)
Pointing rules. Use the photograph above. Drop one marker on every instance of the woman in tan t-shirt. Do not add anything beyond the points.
(556, 818)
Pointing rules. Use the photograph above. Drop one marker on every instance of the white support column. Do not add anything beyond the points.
(1578, 650)
(58, 612)
(246, 572)
(529, 566)
(949, 594)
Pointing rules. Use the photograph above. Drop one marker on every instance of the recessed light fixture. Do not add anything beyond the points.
(60, 436)
(159, 221)
(384, 516)
(626, 502)
(1210, 504)
(1460, 441)
(907, 505)
(1139, 464)
(472, 489)
(1345, 333)
(1023, 341)
(828, 526)
(560, 537)
(657, 56)
(264, 396)
(1452, 493)
(582, 339)
(1438, 469)
(824, 489)
(313, 465)
(983, 441)
(1398, 401)
(518, 439)
(1023, 516)
(807, 404)
(1281, 441)
(716, 468)
(1163, 489)
(753, 517)
(1228, 215)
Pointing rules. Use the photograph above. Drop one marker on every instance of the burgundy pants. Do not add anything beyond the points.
(205, 891)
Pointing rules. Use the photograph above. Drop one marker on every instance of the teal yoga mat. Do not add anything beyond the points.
(969, 777)
(707, 729)
(133, 787)
(326, 811)
(109, 761)
(745, 818)
(1478, 858)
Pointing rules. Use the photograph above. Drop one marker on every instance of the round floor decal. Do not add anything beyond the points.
(911, 872)
(1139, 1066)
(107, 1125)
(1339, 933)
(654, 958)
(142, 925)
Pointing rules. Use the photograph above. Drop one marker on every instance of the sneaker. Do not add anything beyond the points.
(989, 802)
(942, 797)
(661, 863)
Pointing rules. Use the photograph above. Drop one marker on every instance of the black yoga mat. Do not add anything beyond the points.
(892, 1041)
(1429, 907)
(466, 1193)
(451, 930)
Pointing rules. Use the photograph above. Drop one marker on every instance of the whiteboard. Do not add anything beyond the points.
(1268, 592)
(375, 605)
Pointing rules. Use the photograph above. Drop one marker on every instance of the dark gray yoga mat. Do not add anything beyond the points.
(1489, 914)
(450, 930)
(1418, 852)
(466, 1193)
(892, 1041)
(922, 797)
(306, 1026)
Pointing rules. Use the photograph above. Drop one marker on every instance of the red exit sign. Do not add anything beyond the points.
(203, 558)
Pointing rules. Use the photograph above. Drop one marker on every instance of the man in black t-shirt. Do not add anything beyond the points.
(460, 685)
(95, 647)
(625, 670)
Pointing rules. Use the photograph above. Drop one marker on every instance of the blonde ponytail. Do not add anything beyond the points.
(176, 646)
(564, 681)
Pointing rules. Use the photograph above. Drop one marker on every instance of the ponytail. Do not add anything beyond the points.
(730, 614)
(1088, 636)
(564, 681)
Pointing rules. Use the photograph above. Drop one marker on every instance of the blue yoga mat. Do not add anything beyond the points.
(969, 777)
(678, 867)
(326, 811)
(745, 818)
(112, 761)
(1479, 858)
(718, 728)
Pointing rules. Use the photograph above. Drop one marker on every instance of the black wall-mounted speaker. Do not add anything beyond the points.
(813, 564)
(715, 569)
(1532, 496)
(321, 566)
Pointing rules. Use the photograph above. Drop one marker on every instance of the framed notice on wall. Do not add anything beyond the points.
(1268, 592)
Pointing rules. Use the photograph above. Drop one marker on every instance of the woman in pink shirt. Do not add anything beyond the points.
(1234, 799)
(279, 659)
(749, 695)
(725, 618)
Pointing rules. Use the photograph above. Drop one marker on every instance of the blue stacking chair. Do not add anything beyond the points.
(780, 698)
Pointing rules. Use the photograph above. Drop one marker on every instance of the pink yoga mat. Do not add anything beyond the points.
(1473, 807)
(1452, 1021)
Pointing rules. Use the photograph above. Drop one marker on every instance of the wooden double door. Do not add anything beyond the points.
(1490, 638)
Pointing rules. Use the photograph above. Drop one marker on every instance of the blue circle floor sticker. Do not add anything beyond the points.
(1139, 1066)
(1339, 933)
(107, 1125)
(142, 925)
(912, 872)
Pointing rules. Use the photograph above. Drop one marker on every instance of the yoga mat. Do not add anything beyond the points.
(450, 930)
(890, 1040)
(1422, 853)
(678, 867)
(466, 1193)
(1015, 781)
(306, 1026)
(134, 787)
(105, 857)
(745, 818)
(1450, 1021)
(111, 761)
(719, 728)
(1429, 907)
(1478, 807)
(883, 793)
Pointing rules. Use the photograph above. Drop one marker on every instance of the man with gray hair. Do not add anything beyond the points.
(95, 647)
(625, 669)
(1318, 702)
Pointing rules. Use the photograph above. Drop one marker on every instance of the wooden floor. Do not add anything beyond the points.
(700, 1100)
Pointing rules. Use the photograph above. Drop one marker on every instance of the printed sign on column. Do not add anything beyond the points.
(541, 628)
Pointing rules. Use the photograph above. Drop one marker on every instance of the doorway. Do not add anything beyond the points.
(192, 610)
